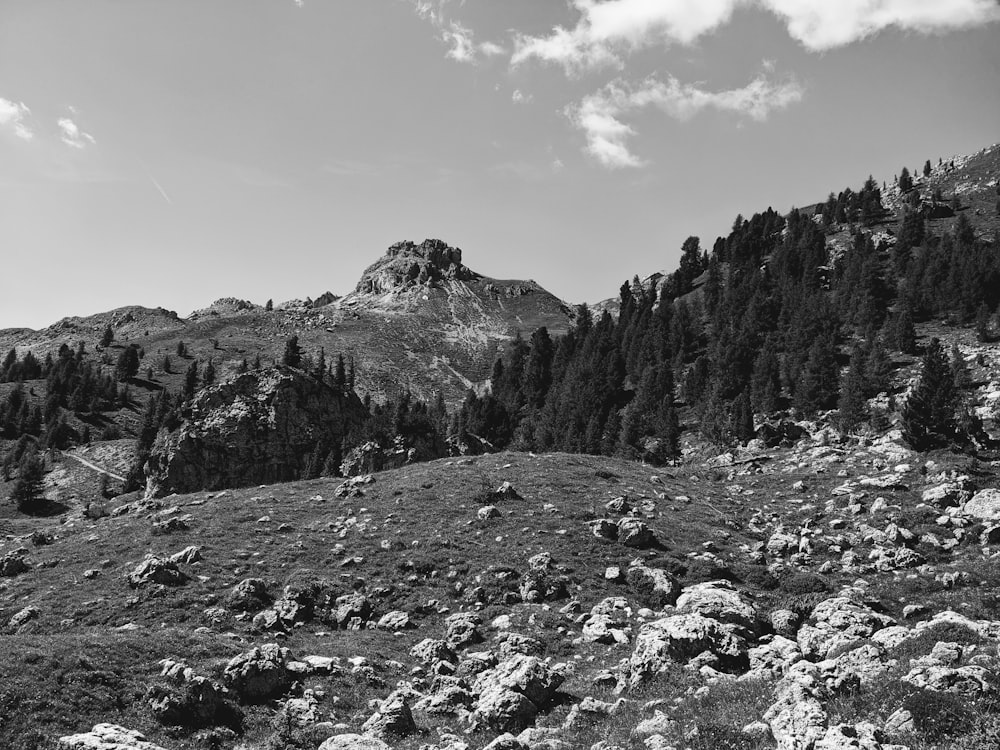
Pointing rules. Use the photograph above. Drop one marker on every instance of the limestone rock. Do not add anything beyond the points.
(249, 595)
(155, 570)
(720, 601)
(107, 737)
(633, 532)
(258, 427)
(353, 742)
(259, 674)
(393, 719)
(681, 638)
(984, 505)
(653, 587)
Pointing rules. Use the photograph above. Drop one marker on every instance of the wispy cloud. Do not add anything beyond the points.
(461, 41)
(608, 30)
(71, 134)
(601, 116)
(13, 116)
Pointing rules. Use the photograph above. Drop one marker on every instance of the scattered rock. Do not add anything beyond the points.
(107, 737)
(155, 570)
(258, 674)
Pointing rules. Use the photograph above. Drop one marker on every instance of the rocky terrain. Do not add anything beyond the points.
(418, 318)
(812, 588)
(828, 593)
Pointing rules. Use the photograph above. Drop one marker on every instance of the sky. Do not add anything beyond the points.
(172, 152)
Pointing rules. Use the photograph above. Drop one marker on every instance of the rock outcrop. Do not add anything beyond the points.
(407, 264)
(259, 427)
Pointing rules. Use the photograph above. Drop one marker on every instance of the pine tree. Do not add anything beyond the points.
(340, 373)
(191, 381)
(929, 413)
(742, 423)
(905, 180)
(817, 386)
(293, 354)
(208, 377)
(107, 338)
(181, 349)
(166, 366)
(852, 407)
(269, 305)
(765, 382)
(27, 491)
(927, 168)
(128, 364)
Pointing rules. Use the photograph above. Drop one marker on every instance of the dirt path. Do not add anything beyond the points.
(98, 469)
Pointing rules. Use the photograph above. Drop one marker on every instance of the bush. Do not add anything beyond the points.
(804, 583)
(937, 715)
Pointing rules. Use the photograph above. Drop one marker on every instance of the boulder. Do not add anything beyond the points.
(13, 564)
(633, 532)
(393, 719)
(259, 674)
(972, 680)
(107, 737)
(351, 606)
(720, 601)
(249, 595)
(23, 617)
(155, 570)
(984, 505)
(462, 629)
(431, 650)
(527, 675)
(653, 587)
(608, 621)
(353, 742)
(505, 710)
(679, 639)
(395, 621)
(863, 736)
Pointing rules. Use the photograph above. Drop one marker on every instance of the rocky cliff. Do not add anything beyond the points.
(257, 428)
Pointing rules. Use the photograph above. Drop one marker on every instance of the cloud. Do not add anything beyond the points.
(12, 115)
(462, 45)
(820, 25)
(71, 135)
(607, 30)
(601, 115)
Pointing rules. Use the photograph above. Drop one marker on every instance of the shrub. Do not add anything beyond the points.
(804, 583)
(937, 715)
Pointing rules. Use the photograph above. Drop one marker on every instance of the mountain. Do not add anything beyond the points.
(418, 319)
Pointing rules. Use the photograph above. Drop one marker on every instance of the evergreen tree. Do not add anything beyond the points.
(27, 491)
(293, 354)
(319, 371)
(742, 423)
(927, 168)
(852, 407)
(191, 381)
(340, 373)
(269, 305)
(107, 338)
(905, 181)
(128, 364)
(181, 349)
(208, 377)
(166, 366)
(765, 381)
(817, 385)
(929, 413)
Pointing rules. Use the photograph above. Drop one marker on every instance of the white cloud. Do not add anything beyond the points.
(821, 25)
(462, 45)
(519, 97)
(13, 115)
(71, 135)
(606, 30)
(601, 115)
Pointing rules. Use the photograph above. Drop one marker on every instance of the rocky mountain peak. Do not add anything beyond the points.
(409, 264)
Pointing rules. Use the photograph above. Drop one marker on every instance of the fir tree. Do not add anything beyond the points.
(27, 491)
(128, 364)
(166, 365)
(905, 181)
(929, 413)
(340, 373)
(107, 338)
(191, 381)
(852, 407)
(208, 376)
(817, 386)
(293, 354)
(927, 168)
(269, 305)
